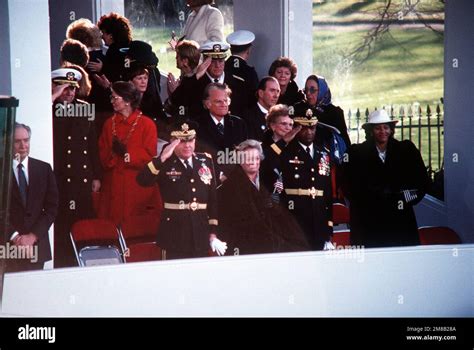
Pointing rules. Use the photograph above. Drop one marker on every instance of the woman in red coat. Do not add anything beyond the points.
(127, 143)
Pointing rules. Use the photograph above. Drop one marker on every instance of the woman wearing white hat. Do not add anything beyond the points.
(384, 178)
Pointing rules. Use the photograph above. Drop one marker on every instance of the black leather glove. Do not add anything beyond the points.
(118, 147)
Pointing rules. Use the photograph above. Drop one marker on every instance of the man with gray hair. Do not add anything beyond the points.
(250, 222)
(219, 132)
(33, 204)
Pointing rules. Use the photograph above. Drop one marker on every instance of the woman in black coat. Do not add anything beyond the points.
(384, 178)
(284, 69)
(250, 222)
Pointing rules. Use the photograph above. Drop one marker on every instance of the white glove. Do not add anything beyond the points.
(218, 246)
(328, 246)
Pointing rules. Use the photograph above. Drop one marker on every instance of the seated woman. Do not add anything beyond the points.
(127, 143)
(318, 99)
(384, 178)
(279, 133)
(284, 69)
(249, 220)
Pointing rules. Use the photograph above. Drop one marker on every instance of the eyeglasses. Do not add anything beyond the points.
(312, 89)
(286, 124)
(113, 98)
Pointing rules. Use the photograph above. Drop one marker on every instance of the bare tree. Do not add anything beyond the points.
(392, 12)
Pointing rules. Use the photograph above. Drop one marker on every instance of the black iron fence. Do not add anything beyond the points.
(423, 126)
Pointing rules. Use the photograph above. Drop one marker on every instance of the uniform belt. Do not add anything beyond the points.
(185, 206)
(305, 192)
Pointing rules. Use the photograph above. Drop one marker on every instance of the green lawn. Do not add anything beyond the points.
(391, 76)
(343, 11)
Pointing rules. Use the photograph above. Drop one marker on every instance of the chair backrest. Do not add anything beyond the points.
(140, 226)
(438, 235)
(99, 255)
(93, 230)
(342, 238)
(97, 230)
(340, 214)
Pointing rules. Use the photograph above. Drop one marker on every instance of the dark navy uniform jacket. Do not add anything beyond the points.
(184, 230)
(312, 176)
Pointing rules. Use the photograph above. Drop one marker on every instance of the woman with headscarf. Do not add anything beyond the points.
(318, 102)
(127, 143)
(318, 99)
(383, 179)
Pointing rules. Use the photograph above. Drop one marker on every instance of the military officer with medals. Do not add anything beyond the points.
(188, 188)
(306, 173)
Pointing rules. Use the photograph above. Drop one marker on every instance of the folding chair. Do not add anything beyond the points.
(342, 238)
(438, 235)
(98, 241)
(340, 214)
(139, 232)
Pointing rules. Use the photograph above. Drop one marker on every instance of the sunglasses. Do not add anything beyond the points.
(312, 89)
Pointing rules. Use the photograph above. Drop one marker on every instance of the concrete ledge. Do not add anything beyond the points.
(425, 281)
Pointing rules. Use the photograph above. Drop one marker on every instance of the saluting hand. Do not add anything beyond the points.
(291, 135)
(202, 68)
(58, 90)
(168, 150)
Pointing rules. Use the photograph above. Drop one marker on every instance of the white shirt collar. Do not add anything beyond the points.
(190, 161)
(25, 168)
(216, 121)
(263, 109)
(221, 78)
(311, 148)
(382, 154)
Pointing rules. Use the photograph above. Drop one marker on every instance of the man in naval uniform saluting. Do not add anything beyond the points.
(188, 189)
(307, 183)
(76, 159)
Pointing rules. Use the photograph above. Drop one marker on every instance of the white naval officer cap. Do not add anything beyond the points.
(240, 38)
(66, 76)
(214, 49)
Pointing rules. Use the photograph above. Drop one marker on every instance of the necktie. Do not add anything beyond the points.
(220, 128)
(22, 183)
(188, 166)
(216, 80)
(308, 150)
